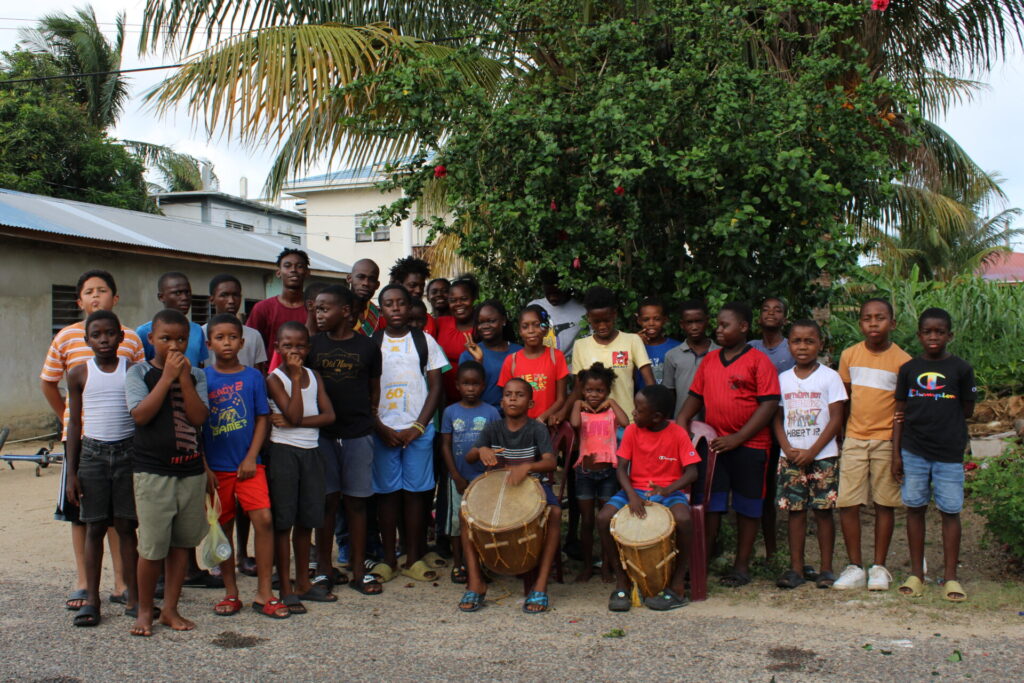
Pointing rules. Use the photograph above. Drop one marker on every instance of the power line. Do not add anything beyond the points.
(36, 79)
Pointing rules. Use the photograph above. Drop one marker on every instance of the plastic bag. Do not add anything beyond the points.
(216, 547)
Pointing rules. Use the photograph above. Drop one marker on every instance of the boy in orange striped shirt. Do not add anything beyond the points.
(96, 291)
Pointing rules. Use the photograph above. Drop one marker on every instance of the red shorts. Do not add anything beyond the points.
(252, 493)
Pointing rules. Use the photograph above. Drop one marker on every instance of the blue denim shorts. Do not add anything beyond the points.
(923, 479)
(619, 500)
(599, 484)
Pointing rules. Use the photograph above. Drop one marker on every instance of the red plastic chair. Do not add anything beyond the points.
(702, 435)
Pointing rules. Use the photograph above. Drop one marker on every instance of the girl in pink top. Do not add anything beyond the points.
(600, 421)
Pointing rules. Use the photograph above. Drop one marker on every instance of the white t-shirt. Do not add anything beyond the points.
(805, 405)
(565, 322)
(253, 351)
(403, 388)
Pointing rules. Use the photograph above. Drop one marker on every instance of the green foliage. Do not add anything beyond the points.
(996, 491)
(51, 148)
(655, 159)
(987, 328)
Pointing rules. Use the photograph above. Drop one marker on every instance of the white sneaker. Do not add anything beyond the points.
(852, 577)
(879, 578)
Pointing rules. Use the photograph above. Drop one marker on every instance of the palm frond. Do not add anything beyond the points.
(179, 172)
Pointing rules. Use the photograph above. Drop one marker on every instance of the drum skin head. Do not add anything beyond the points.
(493, 505)
(635, 531)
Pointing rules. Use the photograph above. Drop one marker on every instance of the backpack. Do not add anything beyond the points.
(419, 340)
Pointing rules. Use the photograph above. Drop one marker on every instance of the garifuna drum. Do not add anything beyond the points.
(647, 547)
(505, 522)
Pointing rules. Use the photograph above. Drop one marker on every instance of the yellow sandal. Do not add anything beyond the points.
(913, 587)
(953, 591)
(419, 571)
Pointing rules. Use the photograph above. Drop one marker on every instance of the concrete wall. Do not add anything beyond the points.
(30, 270)
(219, 212)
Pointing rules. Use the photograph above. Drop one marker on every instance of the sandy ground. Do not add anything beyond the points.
(756, 633)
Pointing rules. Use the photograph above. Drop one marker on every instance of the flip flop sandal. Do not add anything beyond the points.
(619, 601)
(247, 566)
(338, 577)
(913, 587)
(953, 591)
(272, 609)
(734, 579)
(434, 560)
(294, 604)
(363, 586)
(474, 600)
(233, 604)
(419, 571)
(459, 574)
(810, 573)
(87, 615)
(825, 580)
(119, 598)
(78, 596)
(320, 591)
(133, 612)
(382, 570)
(536, 598)
(666, 600)
(790, 579)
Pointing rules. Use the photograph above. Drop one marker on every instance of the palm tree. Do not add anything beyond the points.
(77, 44)
(177, 171)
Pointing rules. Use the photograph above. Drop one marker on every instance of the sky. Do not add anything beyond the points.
(988, 127)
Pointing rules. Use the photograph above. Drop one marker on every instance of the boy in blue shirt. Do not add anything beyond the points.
(460, 429)
(651, 319)
(233, 435)
(175, 293)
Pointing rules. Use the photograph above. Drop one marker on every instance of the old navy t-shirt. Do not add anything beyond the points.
(236, 399)
(934, 425)
(347, 368)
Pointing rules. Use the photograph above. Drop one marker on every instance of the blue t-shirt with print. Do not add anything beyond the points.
(493, 360)
(236, 400)
(465, 425)
(196, 351)
(657, 355)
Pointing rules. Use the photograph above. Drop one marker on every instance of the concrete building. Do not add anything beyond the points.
(237, 213)
(46, 243)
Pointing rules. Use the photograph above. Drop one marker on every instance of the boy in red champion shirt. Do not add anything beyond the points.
(737, 386)
(657, 461)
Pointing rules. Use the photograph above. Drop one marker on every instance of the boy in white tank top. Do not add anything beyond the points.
(299, 406)
(99, 457)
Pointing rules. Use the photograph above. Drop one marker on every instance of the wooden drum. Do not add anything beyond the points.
(647, 547)
(505, 523)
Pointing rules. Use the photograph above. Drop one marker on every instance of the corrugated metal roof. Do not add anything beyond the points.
(1008, 267)
(136, 228)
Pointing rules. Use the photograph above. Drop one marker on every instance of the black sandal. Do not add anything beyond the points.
(460, 574)
(790, 579)
(734, 579)
(666, 600)
(87, 615)
(365, 585)
(825, 580)
(619, 601)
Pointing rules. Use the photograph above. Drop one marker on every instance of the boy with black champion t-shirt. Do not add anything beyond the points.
(738, 388)
(935, 392)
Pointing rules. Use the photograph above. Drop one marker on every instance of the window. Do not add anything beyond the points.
(382, 235)
(363, 234)
(235, 225)
(200, 309)
(63, 307)
(247, 307)
(294, 238)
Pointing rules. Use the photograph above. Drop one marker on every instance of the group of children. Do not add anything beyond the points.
(329, 402)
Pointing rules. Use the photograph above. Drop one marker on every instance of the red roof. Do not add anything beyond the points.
(1004, 267)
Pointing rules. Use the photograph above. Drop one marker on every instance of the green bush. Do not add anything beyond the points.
(997, 494)
(987, 325)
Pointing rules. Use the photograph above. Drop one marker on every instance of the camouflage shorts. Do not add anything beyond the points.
(813, 488)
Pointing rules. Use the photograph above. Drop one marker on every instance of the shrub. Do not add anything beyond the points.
(997, 494)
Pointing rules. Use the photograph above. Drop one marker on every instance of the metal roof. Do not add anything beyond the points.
(139, 229)
(218, 196)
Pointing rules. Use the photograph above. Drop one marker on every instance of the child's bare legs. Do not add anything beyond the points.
(127, 545)
(415, 524)
(120, 583)
(242, 527)
(174, 576)
(325, 537)
(586, 508)
(849, 519)
(797, 525)
(552, 540)
(148, 573)
(951, 532)
(355, 519)
(263, 547)
(283, 560)
(915, 539)
(826, 531)
(746, 532)
(684, 538)
(387, 516)
(93, 557)
(78, 546)
(608, 549)
(227, 570)
(885, 520)
(300, 542)
(474, 576)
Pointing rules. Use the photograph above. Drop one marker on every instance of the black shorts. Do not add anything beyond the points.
(740, 472)
(296, 479)
(105, 476)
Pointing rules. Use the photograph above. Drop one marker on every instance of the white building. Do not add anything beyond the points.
(237, 213)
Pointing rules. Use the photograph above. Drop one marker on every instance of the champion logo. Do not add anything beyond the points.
(931, 381)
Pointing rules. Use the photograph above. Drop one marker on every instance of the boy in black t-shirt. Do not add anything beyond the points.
(167, 400)
(350, 365)
(935, 393)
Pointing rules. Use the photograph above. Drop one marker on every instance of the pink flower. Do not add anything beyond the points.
(554, 205)
(879, 5)
(440, 171)
(619, 190)
(576, 263)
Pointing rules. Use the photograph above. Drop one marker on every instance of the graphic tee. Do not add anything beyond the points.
(493, 362)
(934, 425)
(657, 458)
(403, 388)
(196, 351)
(347, 367)
(656, 353)
(465, 425)
(597, 437)
(542, 373)
(872, 380)
(733, 389)
(624, 355)
(236, 399)
(805, 405)
(779, 354)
